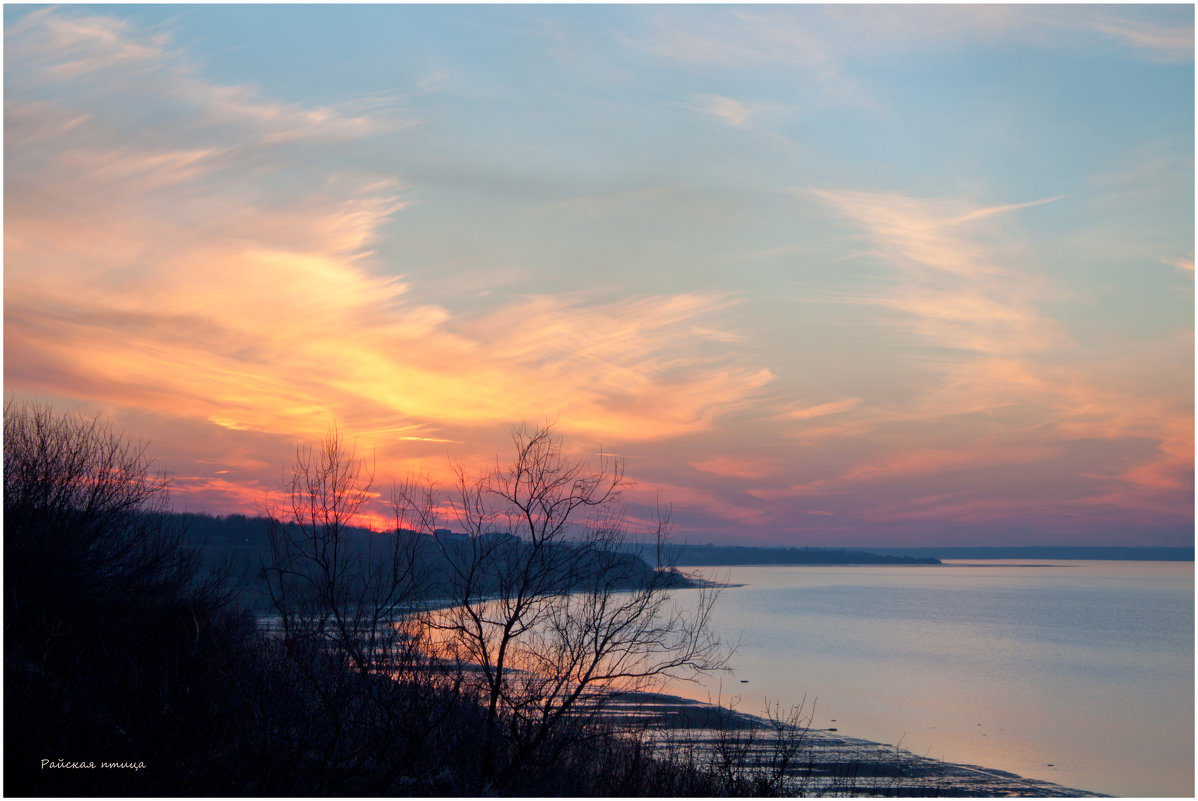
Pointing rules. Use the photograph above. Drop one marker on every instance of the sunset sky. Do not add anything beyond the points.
(821, 275)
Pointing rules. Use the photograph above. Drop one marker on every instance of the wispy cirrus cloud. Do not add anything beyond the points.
(739, 38)
(997, 361)
(949, 287)
(218, 268)
(1169, 43)
(115, 70)
(62, 46)
(224, 267)
(820, 410)
(829, 43)
(924, 232)
(736, 113)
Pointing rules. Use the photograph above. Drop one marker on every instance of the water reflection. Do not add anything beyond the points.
(1085, 665)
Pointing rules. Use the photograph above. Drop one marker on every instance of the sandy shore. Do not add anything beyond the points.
(828, 762)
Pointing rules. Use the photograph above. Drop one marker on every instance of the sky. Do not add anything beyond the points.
(820, 275)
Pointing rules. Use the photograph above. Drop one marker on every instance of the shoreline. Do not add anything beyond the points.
(827, 761)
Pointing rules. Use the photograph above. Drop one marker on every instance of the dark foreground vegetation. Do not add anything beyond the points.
(155, 654)
(134, 667)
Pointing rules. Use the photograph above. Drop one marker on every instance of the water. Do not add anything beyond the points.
(1080, 673)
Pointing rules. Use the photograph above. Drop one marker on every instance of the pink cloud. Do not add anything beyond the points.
(910, 462)
(158, 269)
(149, 270)
(950, 289)
(732, 467)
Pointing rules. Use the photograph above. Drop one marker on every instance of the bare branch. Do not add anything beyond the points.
(548, 599)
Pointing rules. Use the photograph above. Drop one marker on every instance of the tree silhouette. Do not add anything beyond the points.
(550, 613)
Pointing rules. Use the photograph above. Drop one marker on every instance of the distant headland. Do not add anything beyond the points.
(702, 555)
(1133, 553)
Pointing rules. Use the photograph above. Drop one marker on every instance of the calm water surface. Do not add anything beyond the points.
(1081, 673)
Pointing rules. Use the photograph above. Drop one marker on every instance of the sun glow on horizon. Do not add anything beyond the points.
(812, 295)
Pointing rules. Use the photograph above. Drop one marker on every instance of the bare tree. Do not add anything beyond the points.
(346, 600)
(113, 629)
(333, 584)
(551, 612)
(82, 504)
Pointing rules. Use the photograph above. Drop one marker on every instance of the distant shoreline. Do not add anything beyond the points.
(686, 555)
(705, 555)
(830, 759)
(1108, 553)
(710, 555)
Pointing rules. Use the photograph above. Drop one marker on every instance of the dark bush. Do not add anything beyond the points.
(117, 649)
(122, 645)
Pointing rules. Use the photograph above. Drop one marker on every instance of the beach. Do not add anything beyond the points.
(825, 761)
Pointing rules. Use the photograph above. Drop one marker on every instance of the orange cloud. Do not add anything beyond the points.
(165, 276)
(162, 268)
